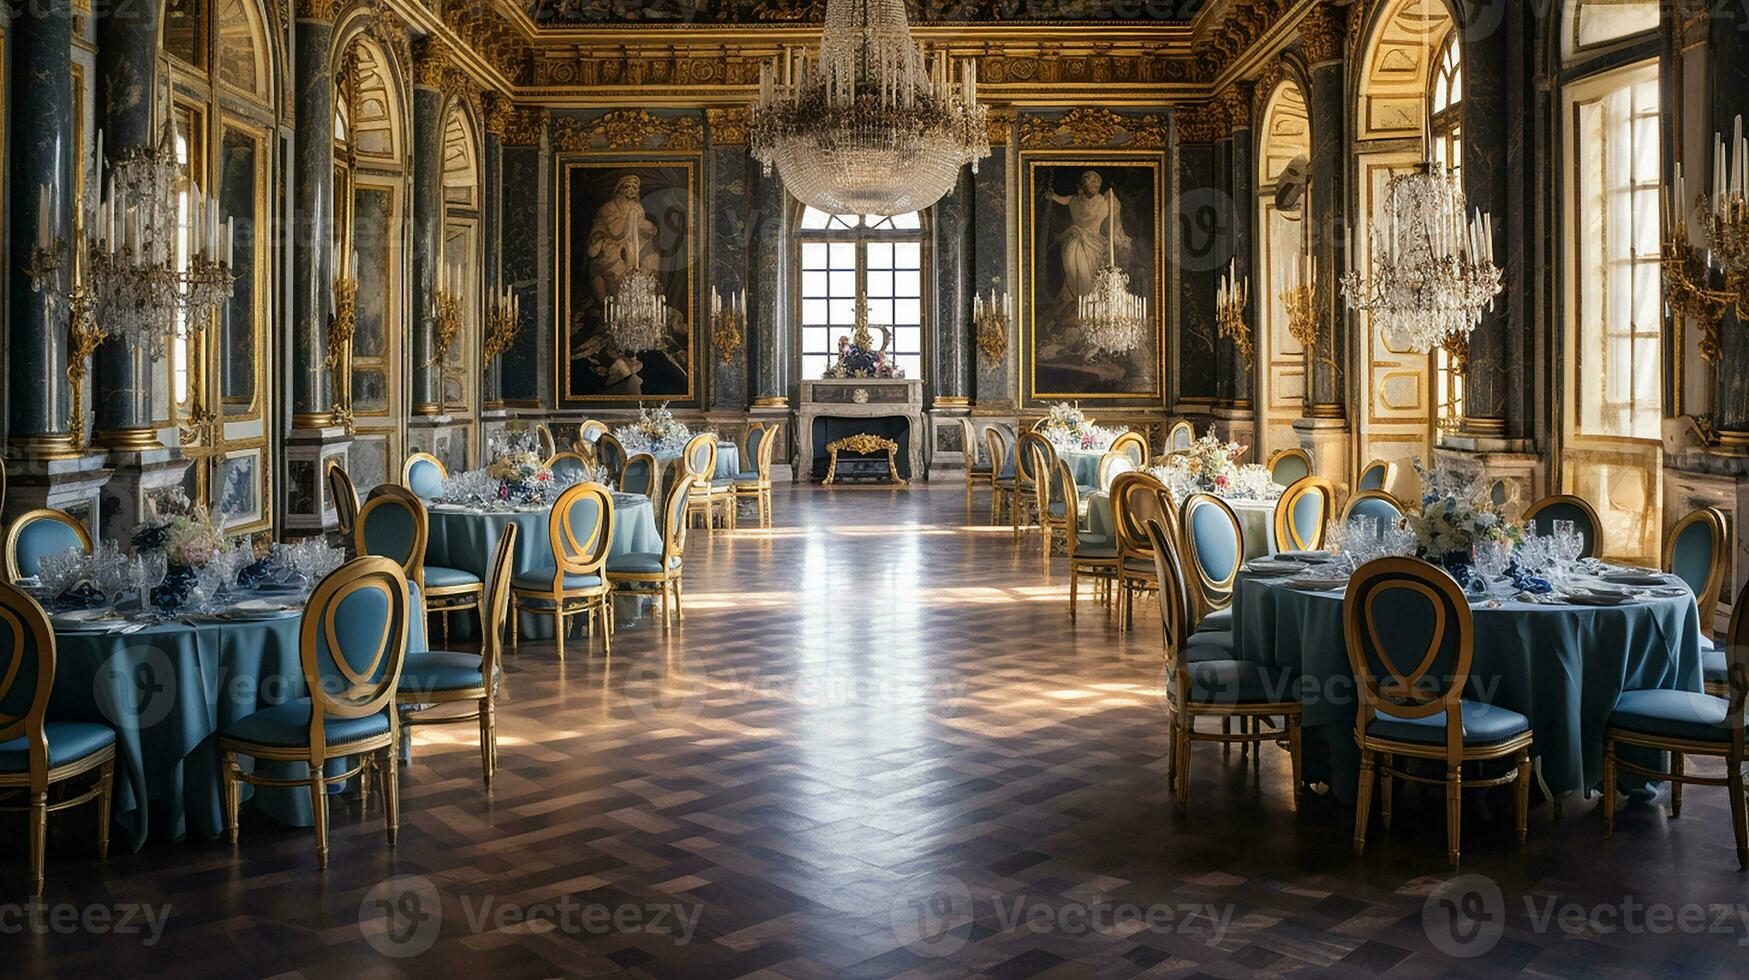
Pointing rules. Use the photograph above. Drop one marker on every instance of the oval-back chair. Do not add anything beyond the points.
(640, 476)
(1565, 507)
(579, 536)
(1289, 466)
(37, 534)
(591, 430)
(977, 468)
(352, 642)
(1410, 641)
(1216, 549)
(609, 454)
(1111, 465)
(343, 494)
(569, 464)
(543, 437)
(659, 573)
(1026, 474)
(423, 474)
(754, 481)
(1302, 512)
(1696, 551)
(1182, 435)
(1377, 504)
(1136, 498)
(42, 753)
(393, 524)
(1001, 473)
(1133, 445)
(1376, 475)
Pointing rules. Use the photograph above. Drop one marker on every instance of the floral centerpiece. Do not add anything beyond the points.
(656, 432)
(858, 357)
(186, 535)
(1069, 429)
(522, 477)
(1455, 513)
(1210, 465)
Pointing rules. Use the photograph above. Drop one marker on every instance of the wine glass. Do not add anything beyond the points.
(109, 574)
(1490, 557)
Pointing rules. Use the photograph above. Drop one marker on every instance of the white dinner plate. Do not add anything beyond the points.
(1636, 576)
(257, 609)
(1268, 567)
(1313, 583)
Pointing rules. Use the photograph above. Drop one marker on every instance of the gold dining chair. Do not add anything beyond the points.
(755, 484)
(1289, 466)
(1567, 507)
(642, 475)
(1002, 488)
(1410, 643)
(1137, 498)
(1023, 509)
(707, 497)
(543, 436)
(591, 430)
(351, 645)
(1057, 505)
(37, 755)
(975, 471)
(1133, 445)
(610, 455)
(1092, 556)
(36, 534)
(1696, 552)
(423, 474)
(580, 534)
(343, 494)
(434, 681)
(1378, 504)
(1215, 550)
(1181, 435)
(1302, 512)
(1112, 464)
(658, 573)
(394, 524)
(1376, 475)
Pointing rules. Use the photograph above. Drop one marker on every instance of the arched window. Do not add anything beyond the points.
(847, 256)
(1593, 23)
(1445, 96)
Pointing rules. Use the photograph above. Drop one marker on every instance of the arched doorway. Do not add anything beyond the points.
(460, 382)
(1286, 143)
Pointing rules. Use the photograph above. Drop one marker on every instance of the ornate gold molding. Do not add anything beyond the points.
(1000, 124)
(1242, 25)
(1324, 34)
(628, 129)
(1265, 85)
(1201, 124)
(1235, 103)
(322, 10)
(728, 126)
(1093, 127)
(431, 63)
(527, 126)
(498, 113)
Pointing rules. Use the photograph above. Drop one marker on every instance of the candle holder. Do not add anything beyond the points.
(1687, 278)
(990, 320)
(447, 316)
(341, 327)
(46, 268)
(83, 337)
(726, 327)
(1230, 322)
(1302, 306)
(503, 322)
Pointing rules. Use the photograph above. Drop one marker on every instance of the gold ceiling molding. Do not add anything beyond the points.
(1048, 68)
(388, 30)
(458, 87)
(321, 10)
(1001, 127)
(499, 113)
(645, 68)
(483, 28)
(1204, 123)
(1265, 86)
(431, 63)
(1324, 34)
(527, 126)
(625, 129)
(1235, 102)
(1089, 127)
(1243, 24)
(728, 126)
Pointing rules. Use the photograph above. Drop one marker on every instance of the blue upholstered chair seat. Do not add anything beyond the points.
(1196, 652)
(747, 476)
(69, 741)
(1219, 621)
(1217, 639)
(542, 578)
(982, 469)
(1713, 666)
(288, 726)
(441, 670)
(1056, 508)
(1484, 724)
(1673, 714)
(1238, 682)
(717, 485)
(439, 577)
(1094, 546)
(640, 563)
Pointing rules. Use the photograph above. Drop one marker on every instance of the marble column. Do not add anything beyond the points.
(1200, 249)
(1324, 428)
(127, 91)
(1244, 188)
(951, 231)
(1485, 172)
(993, 379)
(498, 112)
(1728, 67)
(523, 258)
(766, 306)
(431, 62)
(730, 237)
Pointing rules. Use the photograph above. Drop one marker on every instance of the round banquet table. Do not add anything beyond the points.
(1083, 464)
(1256, 521)
(1561, 666)
(728, 460)
(168, 690)
(465, 538)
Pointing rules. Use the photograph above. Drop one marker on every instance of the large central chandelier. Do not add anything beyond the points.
(637, 312)
(872, 124)
(1112, 319)
(1432, 270)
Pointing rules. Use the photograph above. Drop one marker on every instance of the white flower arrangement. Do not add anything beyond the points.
(184, 531)
(1455, 513)
(1069, 429)
(656, 432)
(1209, 465)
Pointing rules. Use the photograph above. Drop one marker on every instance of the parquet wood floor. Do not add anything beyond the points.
(878, 748)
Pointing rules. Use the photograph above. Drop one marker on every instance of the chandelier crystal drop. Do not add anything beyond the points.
(873, 123)
(1432, 265)
(637, 312)
(1112, 319)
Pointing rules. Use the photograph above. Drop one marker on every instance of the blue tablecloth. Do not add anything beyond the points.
(1560, 666)
(168, 691)
(1085, 465)
(467, 539)
(728, 460)
(1256, 522)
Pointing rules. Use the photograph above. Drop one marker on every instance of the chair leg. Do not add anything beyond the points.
(559, 627)
(515, 624)
(1363, 801)
(1171, 751)
(1676, 773)
(39, 836)
(1296, 750)
(1608, 787)
(392, 792)
(1523, 800)
(319, 813)
(230, 774)
(1454, 812)
(679, 604)
(1739, 810)
(488, 735)
(1387, 790)
(1074, 590)
(105, 792)
(606, 612)
(1183, 743)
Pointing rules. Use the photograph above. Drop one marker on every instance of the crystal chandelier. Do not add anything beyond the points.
(1112, 319)
(637, 312)
(1432, 270)
(147, 280)
(873, 124)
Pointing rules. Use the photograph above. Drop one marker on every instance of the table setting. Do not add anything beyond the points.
(657, 432)
(1211, 466)
(1558, 637)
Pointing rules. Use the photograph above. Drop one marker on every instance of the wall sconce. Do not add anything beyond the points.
(990, 318)
(727, 322)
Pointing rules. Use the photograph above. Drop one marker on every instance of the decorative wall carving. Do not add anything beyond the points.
(322, 10)
(1324, 34)
(431, 63)
(624, 129)
(1001, 127)
(527, 126)
(499, 113)
(1204, 123)
(1091, 127)
(728, 126)
(1242, 26)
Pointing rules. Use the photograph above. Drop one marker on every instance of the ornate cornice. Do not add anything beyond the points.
(431, 63)
(1090, 127)
(1000, 127)
(1265, 85)
(1324, 34)
(527, 126)
(498, 114)
(1201, 124)
(1235, 102)
(625, 129)
(644, 69)
(728, 126)
(1047, 68)
(491, 35)
(1242, 25)
(321, 10)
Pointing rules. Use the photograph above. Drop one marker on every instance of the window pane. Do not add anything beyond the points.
(814, 255)
(843, 283)
(909, 311)
(880, 255)
(908, 284)
(908, 255)
(843, 255)
(880, 283)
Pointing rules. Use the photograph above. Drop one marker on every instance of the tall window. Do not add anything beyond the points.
(844, 256)
(1444, 111)
(1616, 256)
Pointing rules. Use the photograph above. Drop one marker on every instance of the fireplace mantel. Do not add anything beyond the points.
(853, 398)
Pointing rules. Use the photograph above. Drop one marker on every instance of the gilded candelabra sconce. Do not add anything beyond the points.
(727, 321)
(341, 327)
(1688, 271)
(1305, 304)
(446, 314)
(990, 319)
(83, 338)
(1231, 297)
(503, 321)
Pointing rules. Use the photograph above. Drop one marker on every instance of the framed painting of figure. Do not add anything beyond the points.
(1080, 214)
(617, 218)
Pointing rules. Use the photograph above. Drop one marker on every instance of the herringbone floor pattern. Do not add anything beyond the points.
(877, 748)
